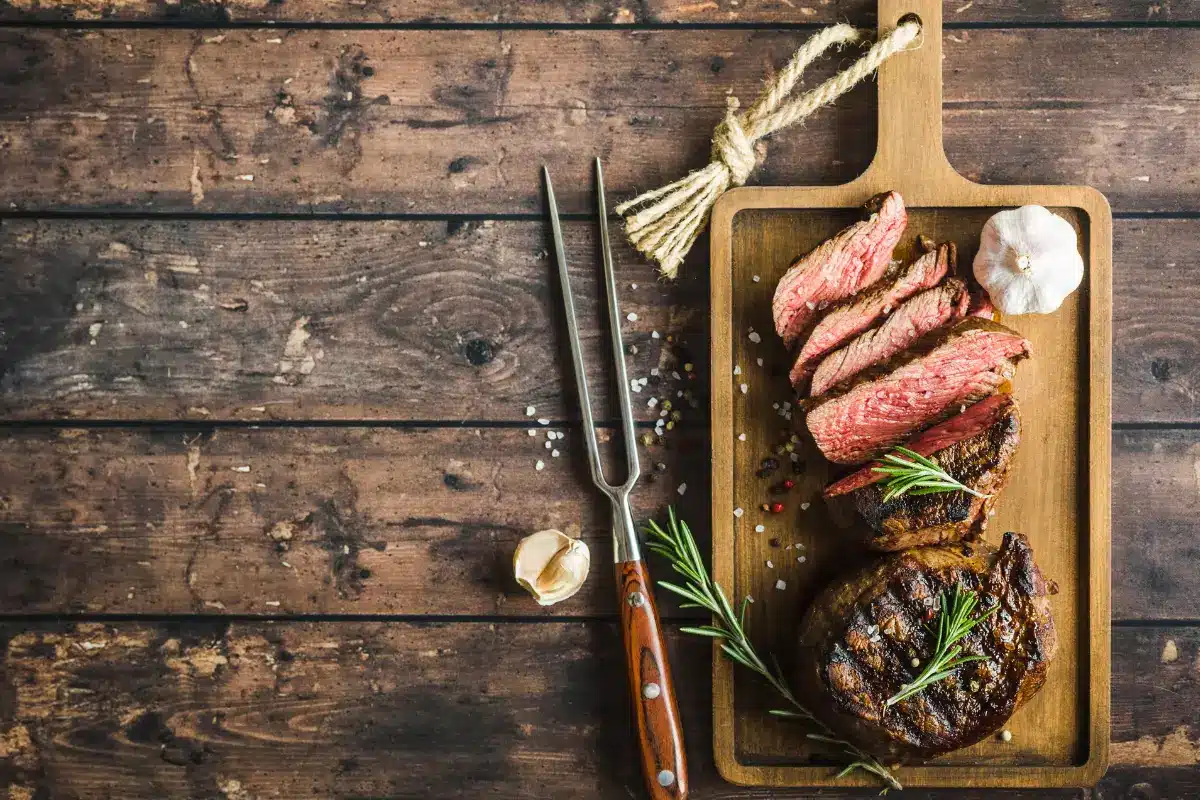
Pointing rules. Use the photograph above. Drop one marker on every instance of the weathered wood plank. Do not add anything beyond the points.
(250, 710)
(439, 121)
(752, 12)
(276, 521)
(145, 320)
(1156, 495)
(260, 320)
(416, 521)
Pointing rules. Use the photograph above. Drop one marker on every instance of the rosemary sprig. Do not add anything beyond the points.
(918, 475)
(699, 590)
(954, 623)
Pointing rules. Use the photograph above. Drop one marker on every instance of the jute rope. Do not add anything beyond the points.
(664, 224)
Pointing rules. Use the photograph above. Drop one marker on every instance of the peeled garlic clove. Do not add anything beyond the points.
(551, 566)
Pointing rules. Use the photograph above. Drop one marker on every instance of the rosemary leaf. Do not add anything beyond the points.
(954, 623)
(917, 475)
(678, 546)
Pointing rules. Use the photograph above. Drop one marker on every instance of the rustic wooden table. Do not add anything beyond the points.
(275, 297)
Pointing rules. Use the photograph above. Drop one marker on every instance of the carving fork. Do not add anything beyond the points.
(660, 733)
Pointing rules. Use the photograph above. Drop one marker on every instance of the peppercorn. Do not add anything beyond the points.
(776, 508)
(789, 484)
(661, 467)
(775, 542)
(798, 467)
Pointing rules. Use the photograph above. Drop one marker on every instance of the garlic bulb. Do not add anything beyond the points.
(1028, 260)
(551, 566)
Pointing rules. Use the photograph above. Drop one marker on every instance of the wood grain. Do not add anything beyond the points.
(431, 516)
(1063, 484)
(321, 709)
(651, 687)
(291, 320)
(277, 521)
(747, 12)
(371, 293)
(182, 119)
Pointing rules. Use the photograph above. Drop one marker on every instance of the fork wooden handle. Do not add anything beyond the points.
(660, 734)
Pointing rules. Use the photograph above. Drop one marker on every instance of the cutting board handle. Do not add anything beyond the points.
(909, 156)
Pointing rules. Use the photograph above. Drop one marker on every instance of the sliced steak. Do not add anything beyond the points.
(859, 638)
(931, 309)
(967, 363)
(981, 305)
(839, 267)
(973, 421)
(858, 313)
(981, 461)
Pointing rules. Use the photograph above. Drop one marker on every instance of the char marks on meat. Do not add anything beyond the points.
(981, 461)
(966, 363)
(860, 636)
(918, 316)
(858, 313)
(839, 267)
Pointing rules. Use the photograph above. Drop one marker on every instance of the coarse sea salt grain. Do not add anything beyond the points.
(737, 370)
(540, 465)
(530, 411)
(801, 559)
(654, 371)
(543, 421)
(554, 454)
(654, 334)
(549, 445)
(770, 564)
(759, 528)
(755, 278)
(804, 506)
(781, 585)
(760, 361)
(682, 488)
(741, 437)
(631, 316)
(745, 388)
(533, 431)
(755, 337)
(737, 512)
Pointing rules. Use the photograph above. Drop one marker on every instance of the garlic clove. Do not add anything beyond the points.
(551, 566)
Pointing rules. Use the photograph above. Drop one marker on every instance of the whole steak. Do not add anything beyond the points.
(859, 639)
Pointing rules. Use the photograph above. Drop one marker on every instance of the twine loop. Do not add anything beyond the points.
(663, 224)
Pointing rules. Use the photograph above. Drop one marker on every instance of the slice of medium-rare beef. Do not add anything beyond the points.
(838, 267)
(981, 461)
(967, 363)
(971, 421)
(864, 638)
(856, 314)
(931, 309)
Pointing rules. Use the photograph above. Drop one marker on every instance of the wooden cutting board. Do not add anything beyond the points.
(1058, 495)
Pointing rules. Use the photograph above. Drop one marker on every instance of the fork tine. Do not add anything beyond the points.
(585, 400)
(614, 318)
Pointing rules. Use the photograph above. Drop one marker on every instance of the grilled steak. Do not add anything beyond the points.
(980, 459)
(860, 636)
(928, 311)
(858, 313)
(981, 304)
(967, 363)
(839, 267)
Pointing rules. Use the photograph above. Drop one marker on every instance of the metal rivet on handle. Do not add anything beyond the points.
(651, 691)
(636, 599)
(666, 778)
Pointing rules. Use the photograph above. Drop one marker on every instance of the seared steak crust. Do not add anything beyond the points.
(982, 461)
(838, 267)
(858, 640)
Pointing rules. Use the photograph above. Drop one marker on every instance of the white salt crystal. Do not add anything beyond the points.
(654, 335)
(781, 585)
(540, 465)
(745, 388)
(741, 437)
(755, 337)
(737, 512)
(530, 411)
(737, 370)
(759, 528)
(759, 361)
(770, 564)
(543, 421)
(682, 488)
(755, 278)
(804, 506)
(631, 316)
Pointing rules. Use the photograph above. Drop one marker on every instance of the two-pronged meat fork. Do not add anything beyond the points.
(659, 731)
